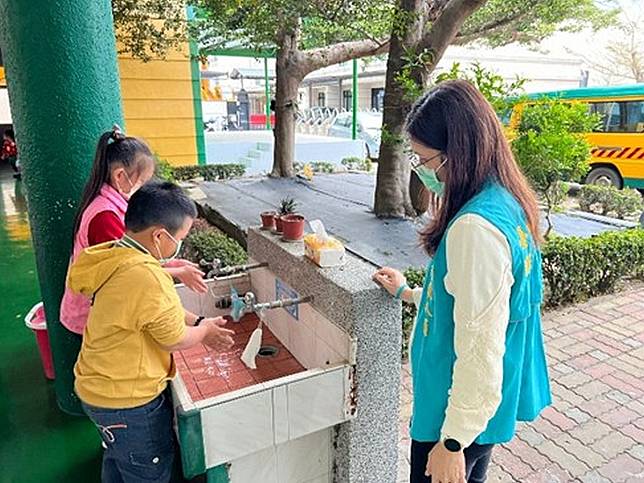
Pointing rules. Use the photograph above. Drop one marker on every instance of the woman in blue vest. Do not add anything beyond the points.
(477, 354)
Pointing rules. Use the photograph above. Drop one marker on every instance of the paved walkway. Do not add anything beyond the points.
(594, 432)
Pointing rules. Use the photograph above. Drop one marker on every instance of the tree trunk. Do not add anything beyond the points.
(287, 83)
(392, 199)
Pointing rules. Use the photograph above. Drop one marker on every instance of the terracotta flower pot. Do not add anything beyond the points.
(268, 220)
(293, 227)
(278, 224)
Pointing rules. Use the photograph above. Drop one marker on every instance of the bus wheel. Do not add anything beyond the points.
(604, 176)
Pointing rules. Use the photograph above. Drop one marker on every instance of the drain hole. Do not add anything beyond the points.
(268, 351)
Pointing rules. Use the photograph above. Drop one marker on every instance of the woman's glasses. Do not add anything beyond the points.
(417, 161)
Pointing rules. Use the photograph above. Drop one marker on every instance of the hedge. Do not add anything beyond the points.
(209, 172)
(574, 269)
(207, 243)
(608, 199)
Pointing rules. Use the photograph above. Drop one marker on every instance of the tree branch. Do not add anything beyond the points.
(315, 59)
(465, 37)
(447, 25)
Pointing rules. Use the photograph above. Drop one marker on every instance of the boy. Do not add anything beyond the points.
(135, 322)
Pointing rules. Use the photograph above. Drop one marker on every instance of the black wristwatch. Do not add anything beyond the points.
(452, 445)
(199, 320)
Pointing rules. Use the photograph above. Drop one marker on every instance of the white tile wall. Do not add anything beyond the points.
(256, 467)
(280, 412)
(236, 428)
(304, 459)
(316, 403)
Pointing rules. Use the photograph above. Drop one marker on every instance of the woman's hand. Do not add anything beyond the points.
(189, 274)
(445, 466)
(391, 280)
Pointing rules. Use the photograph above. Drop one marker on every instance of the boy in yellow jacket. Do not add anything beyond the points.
(135, 322)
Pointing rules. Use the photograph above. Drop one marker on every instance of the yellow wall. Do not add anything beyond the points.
(158, 105)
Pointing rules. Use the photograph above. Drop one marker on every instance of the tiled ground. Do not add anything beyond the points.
(208, 373)
(594, 432)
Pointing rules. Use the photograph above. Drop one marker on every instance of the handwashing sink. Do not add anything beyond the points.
(303, 383)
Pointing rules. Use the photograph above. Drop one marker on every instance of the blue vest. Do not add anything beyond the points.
(525, 390)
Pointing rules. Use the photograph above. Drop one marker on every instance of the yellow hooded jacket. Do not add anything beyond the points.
(135, 313)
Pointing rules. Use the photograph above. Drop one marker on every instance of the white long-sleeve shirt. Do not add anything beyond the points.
(479, 277)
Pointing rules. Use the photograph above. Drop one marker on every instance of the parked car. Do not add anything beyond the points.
(368, 129)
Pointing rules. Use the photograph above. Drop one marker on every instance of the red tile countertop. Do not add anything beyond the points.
(207, 373)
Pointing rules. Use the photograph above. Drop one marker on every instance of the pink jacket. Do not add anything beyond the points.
(74, 307)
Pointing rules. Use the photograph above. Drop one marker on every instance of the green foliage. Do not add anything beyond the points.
(148, 29)
(164, 170)
(574, 269)
(316, 166)
(357, 164)
(550, 147)
(500, 93)
(609, 200)
(206, 242)
(258, 25)
(287, 206)
(209, 172)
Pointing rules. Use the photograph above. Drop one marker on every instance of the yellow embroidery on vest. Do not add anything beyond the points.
(523, 238)
(528, 264)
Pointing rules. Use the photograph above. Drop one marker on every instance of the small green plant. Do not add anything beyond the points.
(550, 147)
(610, 200)
(287, 206)
(164, 170)
(357, 164)
(186, 173)
(207, 243)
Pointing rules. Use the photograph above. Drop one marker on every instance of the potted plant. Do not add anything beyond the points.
(287, 207)
(293, 227)
(268, 220)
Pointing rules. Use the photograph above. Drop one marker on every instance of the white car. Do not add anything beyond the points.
(368, 129)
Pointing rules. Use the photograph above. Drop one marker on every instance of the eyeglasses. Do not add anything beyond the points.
(417, 161)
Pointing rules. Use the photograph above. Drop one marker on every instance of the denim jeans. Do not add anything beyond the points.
(477, 459)
(139, 441)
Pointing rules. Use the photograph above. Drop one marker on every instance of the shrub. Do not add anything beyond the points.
(608, 199)
(206, 242)
(209, 172)
(164, 170)
(316, 166)
(574, 269)
(357, 164)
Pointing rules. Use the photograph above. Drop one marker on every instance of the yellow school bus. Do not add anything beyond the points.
(618, 143)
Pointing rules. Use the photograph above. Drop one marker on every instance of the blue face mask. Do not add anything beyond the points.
(428, 177)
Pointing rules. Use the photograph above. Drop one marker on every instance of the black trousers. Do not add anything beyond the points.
(477, 459)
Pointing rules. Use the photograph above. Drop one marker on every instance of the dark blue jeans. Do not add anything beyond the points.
(477, 459)
(139, 441)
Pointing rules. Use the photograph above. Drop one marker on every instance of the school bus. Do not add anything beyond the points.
(618, 143)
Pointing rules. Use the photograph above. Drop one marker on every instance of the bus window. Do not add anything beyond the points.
(634, 116)
(610, 116)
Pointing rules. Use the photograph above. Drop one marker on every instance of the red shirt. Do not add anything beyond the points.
(105, 226)
(9, 149)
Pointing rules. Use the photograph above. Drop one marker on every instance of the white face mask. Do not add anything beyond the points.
(178, 243)
(133, 187)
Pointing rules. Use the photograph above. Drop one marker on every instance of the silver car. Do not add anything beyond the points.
(369, 130)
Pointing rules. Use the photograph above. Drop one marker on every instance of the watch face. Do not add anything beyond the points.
(452, 445)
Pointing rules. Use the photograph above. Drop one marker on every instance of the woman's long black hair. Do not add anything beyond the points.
(114, 148)
(457, 120)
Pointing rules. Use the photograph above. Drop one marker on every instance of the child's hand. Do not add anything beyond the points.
(191, 276)
(218, 338)
(391, 280)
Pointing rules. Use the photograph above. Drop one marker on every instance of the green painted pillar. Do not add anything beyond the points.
(354, 101)
(64, 90)
(267, 93)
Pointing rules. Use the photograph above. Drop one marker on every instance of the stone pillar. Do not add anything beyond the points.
(63, 81)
